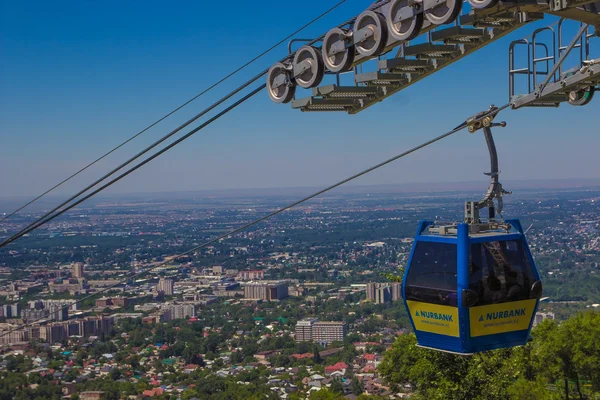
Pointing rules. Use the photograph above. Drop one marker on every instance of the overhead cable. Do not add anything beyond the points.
(177, 109)
(257, 221)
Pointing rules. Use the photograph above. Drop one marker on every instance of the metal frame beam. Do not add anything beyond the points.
(554, 92)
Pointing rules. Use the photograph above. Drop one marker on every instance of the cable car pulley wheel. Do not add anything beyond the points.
(370, 34)
(308, 67)
(280, 84)
(338, 51)
(582, 97)
(444, 12)
(404, 29)
(479, 4)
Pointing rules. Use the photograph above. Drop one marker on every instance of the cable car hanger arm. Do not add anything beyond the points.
(484, 120)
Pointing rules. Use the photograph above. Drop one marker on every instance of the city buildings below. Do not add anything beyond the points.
(166, 286)
(146, 307)
(11, 310)
(14, 289)
(250, 275)
(117, 316)
(199, 299)
(266, 291)
(77, 270)
(540, 316)
(100, 283)
(54, 313)
(296, 291)
(328, 332)
(41, 304)
(182, 310)
(56, 332)
(304, 330)
(323, 332)
(226, 286)
(72, 285)
(381, 293)
(217, 270)
(91, 395)
(112, 301)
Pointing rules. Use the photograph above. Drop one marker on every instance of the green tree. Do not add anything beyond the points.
(356, 387)
(336, 387)
(316, 356)
(325, 394)
(569, 353)
(524, 389)
(115, 374)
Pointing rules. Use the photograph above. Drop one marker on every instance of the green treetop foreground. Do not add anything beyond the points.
(561, 362)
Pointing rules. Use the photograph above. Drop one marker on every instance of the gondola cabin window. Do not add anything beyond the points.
(432, 274)
(500, 272)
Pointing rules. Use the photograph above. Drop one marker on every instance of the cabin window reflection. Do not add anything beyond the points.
(432, 274)
(500, 272)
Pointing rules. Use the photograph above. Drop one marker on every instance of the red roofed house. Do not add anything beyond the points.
(369, 368)
(340, 366)
(153, 392)
(370, 358)
(190, 368)
(302, 356)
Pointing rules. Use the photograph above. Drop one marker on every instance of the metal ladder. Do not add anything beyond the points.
(548, 83)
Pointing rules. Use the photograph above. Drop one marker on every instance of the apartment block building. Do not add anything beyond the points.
(320, 331)
(266, 291)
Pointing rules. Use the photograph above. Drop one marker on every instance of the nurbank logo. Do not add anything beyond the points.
(434, 315)
(503, 314)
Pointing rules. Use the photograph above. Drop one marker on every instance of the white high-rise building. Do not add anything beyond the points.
(320, 331)
(166, 286)
(304, 330)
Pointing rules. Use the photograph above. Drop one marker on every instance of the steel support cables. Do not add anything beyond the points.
(178, 108)
(47, 217)
(257, 221)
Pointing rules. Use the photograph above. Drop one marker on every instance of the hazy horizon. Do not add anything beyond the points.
(402, 188)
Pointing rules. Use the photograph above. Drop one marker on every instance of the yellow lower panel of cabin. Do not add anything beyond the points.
(434, 318)
(501, 318)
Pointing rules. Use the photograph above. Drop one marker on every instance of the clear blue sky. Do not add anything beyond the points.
(77, 78)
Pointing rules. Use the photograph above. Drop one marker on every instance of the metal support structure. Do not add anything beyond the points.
(562, 58)
(575, 86)
(544, 59)
(492, 200)
(512, 71)
(390, 27)
(583, 45)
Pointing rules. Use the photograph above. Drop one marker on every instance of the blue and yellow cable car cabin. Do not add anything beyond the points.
(473, 286)
(468, 292)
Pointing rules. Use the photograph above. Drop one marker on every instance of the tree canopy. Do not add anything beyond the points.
(562, 361)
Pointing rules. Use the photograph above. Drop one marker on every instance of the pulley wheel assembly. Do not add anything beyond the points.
(338, 52)
(280, 85)
(308, 67)
(480, 4)
(582, 97)
(444, 13)
(374, 25)
(406, 29)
